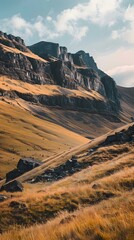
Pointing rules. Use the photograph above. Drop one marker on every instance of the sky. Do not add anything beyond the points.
(104, 28)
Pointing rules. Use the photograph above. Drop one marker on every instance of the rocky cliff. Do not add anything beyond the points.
(49, 63)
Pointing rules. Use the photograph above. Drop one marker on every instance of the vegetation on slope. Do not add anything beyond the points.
(23, 134)
(109, 220)
(107, 181)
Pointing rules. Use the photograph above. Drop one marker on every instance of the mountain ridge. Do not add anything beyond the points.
(58, 68)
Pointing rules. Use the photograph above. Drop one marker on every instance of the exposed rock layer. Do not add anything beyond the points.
(61, 68)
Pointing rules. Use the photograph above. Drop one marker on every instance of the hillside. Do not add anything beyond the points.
(66, 146)
(127, 101)
(23, 134)
(105, 181)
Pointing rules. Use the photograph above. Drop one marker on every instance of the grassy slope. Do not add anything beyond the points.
(113, 172)
(62, 157)
(35, 89)
(101, 222)
(127, 102)
(94, 216)
(87, 124)
(21, 138)
(17, 51)
(22, 134)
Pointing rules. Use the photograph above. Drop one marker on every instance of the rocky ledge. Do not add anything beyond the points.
(68, 168)
(56, 66)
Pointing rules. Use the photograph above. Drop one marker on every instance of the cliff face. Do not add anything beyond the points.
(79, 69)
(84, 59)
(19, 66)
(46, 49)
(53, 64)
(12, 41)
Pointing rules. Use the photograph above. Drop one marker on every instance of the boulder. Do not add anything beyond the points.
(68, 168)
(96, 186)
(111, 139)
(27, 164)
(3, 197)
(14, 186)
(24, 165)
(132, 138)
(13, 174)
(18, 205)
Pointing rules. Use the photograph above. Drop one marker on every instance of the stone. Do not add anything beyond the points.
(120, 137)
(13, 174)
(68, 168)
(88, 60)
(111, 139)
(27, 164)
(3, 198)
(96, 186)
(17, 205)
(14, 186)
(24, 165)
(60, 69)
(45, 49)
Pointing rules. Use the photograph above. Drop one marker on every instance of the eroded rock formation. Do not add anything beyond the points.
(56, 66)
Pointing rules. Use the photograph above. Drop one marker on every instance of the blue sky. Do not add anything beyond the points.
(104, 28)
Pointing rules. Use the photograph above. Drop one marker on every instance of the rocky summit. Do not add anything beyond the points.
(48, 63)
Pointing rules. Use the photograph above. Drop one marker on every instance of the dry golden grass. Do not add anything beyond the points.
(17, 51)
(45, 200)
(61, 158)
(109, 220)
(94, 204)
(22, 134)
(17, 85)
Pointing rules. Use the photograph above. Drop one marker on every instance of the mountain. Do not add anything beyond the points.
(48, 63)
(64, 192)
(66, 146)
(54, 88)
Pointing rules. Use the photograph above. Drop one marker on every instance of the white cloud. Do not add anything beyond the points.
(129, 13)
(119, 57)
(127, 32)
(49, 18)
(100, 12)
(16, 25)
(124, 75)
(74, 21)
(19, 26)
(119, 64)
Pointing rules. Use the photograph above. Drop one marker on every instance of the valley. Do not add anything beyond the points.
(66, 146)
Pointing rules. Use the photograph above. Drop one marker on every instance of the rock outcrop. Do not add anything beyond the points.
(120, 137)
(3, 198)
(84, 59)
(68, 168)
(14, 186)
(56, 66)
(46, 49)
(27, 69)
(24, 165)
(12, 41)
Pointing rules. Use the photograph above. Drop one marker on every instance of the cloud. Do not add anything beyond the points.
(120, 57)
(100, 12)
(126, 33)
(119, 64)
(28, 29)
(72, 21)
(16, 25)
(124, 75)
